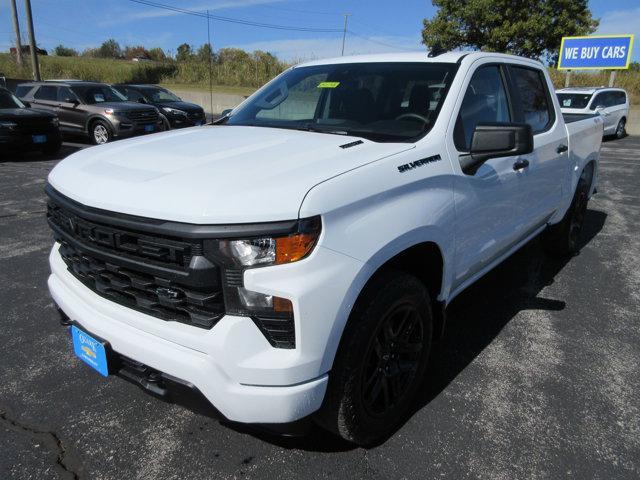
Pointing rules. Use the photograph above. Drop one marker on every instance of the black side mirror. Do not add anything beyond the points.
(26, 104)
(493, 140)
(71, 100)
(226, 112)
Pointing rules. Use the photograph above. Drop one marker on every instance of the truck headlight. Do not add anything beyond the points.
(263, 251)
(8, 124)
(174, 111)
(55, 122)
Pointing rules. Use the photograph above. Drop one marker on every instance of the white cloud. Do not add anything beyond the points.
(300, 49)
(621, 22)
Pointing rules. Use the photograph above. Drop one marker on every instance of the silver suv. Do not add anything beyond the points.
(92, 109)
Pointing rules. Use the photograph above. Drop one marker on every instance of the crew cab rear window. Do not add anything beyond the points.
(485, 101)
(47, 93)
(531, 86)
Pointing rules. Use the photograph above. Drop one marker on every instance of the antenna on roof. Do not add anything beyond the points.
(436, 50)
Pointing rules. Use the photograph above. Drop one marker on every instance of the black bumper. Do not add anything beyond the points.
(22, 142)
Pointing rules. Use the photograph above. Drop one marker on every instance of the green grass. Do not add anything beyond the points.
(229, 89)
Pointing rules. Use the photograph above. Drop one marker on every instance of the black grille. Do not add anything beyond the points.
(168, 278)
(195, 115)
(148, 294)
(143, 116)
(280, 332)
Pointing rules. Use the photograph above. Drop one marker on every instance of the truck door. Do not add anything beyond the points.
(542, 180)
(486, 201)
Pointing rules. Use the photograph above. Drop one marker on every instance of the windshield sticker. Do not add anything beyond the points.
(98, 97)
(328, 84)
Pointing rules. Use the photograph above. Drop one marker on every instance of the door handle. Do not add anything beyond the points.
(562, 148)
(521, 164)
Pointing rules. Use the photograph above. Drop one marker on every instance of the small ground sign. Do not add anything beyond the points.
(602, 52)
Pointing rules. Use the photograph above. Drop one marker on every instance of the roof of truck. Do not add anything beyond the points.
(412, 57)
(587, 90)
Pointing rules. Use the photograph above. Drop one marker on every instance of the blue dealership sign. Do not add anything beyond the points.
(596, 52)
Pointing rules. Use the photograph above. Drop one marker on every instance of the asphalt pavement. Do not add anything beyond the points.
(538, 375)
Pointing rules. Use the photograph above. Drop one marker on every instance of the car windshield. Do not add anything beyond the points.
(574, 100)
(156, 94)
(9, 100)
(378, 101)
(98, 94)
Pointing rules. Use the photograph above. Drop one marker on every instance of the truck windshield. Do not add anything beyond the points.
(386, 102)
(9, 100)
(155, 94)
(574, 100)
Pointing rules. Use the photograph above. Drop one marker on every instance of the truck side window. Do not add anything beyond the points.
(65, 93)
(533, 91)
(484, 101)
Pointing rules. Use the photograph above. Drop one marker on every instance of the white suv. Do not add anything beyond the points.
(611, 103)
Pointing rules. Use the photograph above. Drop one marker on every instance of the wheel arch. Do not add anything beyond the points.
(92, 119)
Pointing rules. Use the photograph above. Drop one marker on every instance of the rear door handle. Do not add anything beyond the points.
(520, 164)
(562, 148)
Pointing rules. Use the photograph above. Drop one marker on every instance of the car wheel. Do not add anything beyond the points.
(100, 132)
(52, 148)
(381, 360)
(562, 238)
(621, 129)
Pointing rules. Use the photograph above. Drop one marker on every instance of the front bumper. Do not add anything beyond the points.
(124, 127)
(18, 141)
(183, 121)
(232, 365)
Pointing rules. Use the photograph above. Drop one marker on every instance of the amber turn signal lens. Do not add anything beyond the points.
(282, 305)
(294, 247)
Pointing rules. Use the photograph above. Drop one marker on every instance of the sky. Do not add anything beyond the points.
(374, 25)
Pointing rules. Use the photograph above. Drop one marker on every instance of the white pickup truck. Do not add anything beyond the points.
(295, 260)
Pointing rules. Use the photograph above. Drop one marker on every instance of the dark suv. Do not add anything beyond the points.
(93, 109)
(176, 113)
(23, 128)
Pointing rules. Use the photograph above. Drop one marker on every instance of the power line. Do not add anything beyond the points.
(368, 39)
(235, 20)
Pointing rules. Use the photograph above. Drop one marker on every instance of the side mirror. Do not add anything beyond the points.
(26, 104)
(71, 100)
(226, 112)
(493, 140)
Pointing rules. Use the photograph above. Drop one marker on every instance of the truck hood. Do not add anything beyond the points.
(212, 175)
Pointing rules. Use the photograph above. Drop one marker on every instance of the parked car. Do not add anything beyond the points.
(175, 112)
(295, 260)
(23, 128)
(92, 109)
(611, 103)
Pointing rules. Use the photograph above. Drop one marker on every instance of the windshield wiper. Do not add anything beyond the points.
(310, 127)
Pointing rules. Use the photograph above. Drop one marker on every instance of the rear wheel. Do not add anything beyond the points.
(381, 360)
(562, 238)
(621, 128)
(100, 132)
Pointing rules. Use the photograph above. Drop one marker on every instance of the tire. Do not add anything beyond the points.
(52, 148)
(100, 132)
(381, 360)
(562, 239)
(621, 129)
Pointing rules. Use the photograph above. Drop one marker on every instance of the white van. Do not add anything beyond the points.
(611, 103)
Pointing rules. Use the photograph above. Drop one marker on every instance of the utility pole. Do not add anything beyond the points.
(32, 41)
(344, 33)
(16, 29)
(210, 64)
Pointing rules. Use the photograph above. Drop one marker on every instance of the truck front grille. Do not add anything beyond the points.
(166, 277)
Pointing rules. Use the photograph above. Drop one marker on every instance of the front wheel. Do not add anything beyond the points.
(621, 128)
(381, 360)
(100, 132)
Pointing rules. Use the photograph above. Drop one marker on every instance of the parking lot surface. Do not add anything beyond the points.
(537, 376)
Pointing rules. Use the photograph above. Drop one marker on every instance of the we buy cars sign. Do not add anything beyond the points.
(604, 52)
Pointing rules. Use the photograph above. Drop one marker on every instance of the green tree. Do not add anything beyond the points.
(531, 28)
(137, 51)
(62, 51)
(205, 52)
(634, 67)
(157, 54)
(184, 53)
(109, 49)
